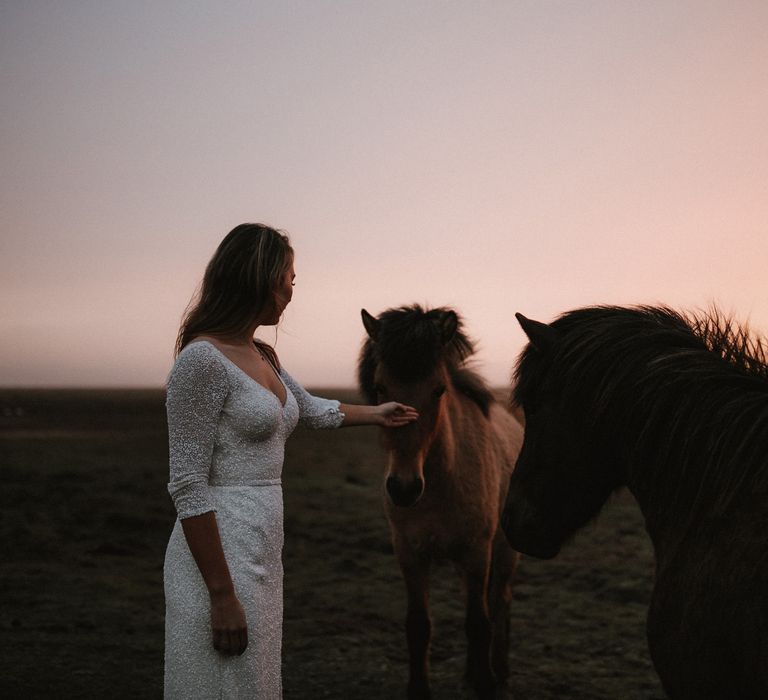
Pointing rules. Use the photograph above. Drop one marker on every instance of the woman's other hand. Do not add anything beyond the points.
(395, 415)
(230, 630)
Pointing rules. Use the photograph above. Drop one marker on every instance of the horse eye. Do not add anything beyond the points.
(438, 391)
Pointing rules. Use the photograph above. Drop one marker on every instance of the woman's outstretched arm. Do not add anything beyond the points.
(387, 415)
(317, 412)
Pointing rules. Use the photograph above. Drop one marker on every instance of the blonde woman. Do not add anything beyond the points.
(231, 406)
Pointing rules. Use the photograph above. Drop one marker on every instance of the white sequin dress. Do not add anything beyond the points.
(227, 437)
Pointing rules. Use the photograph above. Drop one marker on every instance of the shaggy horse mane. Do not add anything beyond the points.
(614, 336)
(409, 344)
(733, 343)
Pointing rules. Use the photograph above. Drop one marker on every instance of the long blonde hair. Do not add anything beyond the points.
(238, 284)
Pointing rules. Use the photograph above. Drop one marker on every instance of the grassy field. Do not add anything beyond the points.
(85, 518)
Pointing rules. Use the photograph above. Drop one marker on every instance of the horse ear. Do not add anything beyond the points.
(448, 323)
(541, 335)
(372, 325)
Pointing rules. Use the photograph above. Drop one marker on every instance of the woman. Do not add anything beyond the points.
(231, 408)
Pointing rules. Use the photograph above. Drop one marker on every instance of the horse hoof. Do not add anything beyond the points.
(501, 671)
(485, 688)
(419, 691)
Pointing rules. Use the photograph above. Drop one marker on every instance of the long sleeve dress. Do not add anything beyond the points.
(227, 437)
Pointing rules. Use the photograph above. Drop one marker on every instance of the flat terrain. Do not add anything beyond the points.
(85, 518)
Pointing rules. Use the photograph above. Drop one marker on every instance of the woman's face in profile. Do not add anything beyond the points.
(283, 292)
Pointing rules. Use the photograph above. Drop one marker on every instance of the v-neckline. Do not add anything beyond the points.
(282, 403)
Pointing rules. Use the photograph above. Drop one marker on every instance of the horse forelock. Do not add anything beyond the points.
(409, 345)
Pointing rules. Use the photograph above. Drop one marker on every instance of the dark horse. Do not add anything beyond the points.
(446, 481)
(676, 409)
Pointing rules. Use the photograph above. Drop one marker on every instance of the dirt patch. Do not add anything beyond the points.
(86, 517)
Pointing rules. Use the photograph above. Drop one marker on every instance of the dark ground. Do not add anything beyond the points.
(85, 517)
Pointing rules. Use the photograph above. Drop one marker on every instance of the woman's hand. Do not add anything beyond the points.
(387, 415)
(230, 630)
(395, 415)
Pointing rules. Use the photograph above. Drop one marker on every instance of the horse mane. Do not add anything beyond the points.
(733, 343)
(472, 385)
(606, 341)
(410, 346)
(693, 389)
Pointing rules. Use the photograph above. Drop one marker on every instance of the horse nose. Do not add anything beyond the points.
(404, 494)
(528, 531)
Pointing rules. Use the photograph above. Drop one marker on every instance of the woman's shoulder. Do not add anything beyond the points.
(198, 349)
(199, 357)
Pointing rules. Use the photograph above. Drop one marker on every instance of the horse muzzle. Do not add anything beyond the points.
(404, 493)
(528, 534)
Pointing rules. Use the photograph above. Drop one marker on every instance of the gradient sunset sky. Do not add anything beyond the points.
(493, 156)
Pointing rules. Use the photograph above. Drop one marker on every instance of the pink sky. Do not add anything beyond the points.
(495, 157)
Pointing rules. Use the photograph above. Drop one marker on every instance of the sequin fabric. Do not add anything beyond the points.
(227, 438)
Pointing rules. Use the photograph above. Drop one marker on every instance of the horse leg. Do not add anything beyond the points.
(478, 626)
(418, 627)
(503, 566)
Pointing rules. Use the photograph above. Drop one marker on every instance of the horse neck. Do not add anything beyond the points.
(443, 451)
(695, 457)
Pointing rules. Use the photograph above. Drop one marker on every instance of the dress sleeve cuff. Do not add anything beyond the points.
(190, 497)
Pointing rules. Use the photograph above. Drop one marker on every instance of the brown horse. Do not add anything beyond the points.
(676, 409)
(446, 481)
